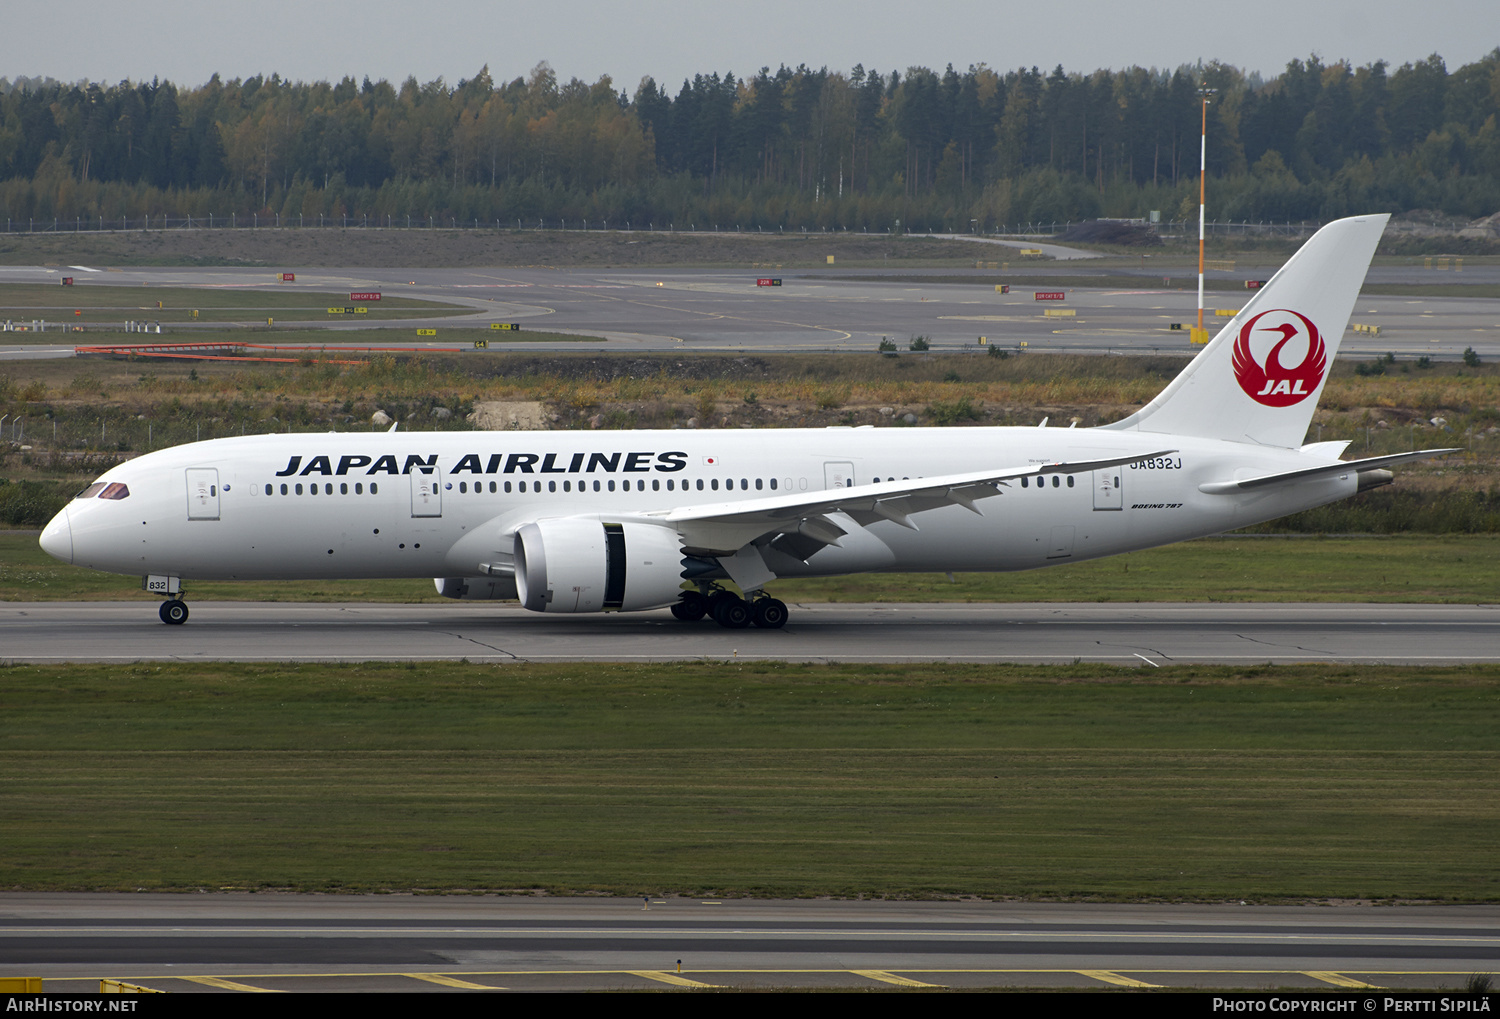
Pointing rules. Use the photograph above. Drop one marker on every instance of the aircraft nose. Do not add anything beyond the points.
(57, 537)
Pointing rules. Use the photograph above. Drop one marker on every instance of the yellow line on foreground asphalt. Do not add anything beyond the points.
(668, 978)
(229, 985)
(438, 978)
(891, 978)
(1114, 978)
(1338, 979)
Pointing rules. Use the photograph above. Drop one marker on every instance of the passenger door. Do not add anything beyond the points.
(1107, 494)
(427, 493)
(203, 493)
(838, 475)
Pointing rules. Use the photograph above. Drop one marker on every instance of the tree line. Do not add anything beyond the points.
(790, 149)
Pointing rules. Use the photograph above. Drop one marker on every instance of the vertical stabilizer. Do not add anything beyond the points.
(1259, 380)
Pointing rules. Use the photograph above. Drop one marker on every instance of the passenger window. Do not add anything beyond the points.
(1025, 482)
(343, 488)
(714, 484)
(283, 488)
(551, 486)
(656, 484)
(757, 484)
(596, 484)
(1070, 481)
(1056, 481)
(700, 484)
(359, 488)
(268, 489)
(299, 488)
(773, 484)
(611, 484)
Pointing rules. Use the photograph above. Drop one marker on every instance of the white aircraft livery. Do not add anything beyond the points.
(634, 520)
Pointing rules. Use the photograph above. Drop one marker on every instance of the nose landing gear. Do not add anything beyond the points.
(173, 612)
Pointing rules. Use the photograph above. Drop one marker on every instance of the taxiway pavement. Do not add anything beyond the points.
(229, 942)
(684, 310)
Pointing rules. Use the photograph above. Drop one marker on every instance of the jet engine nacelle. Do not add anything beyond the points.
(583, 564)
(476, 588)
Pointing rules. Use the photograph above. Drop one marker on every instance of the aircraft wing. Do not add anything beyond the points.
(723, 528)
(1341, 467)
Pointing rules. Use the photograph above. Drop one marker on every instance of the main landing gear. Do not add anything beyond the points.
(173, 612)
(731, 611)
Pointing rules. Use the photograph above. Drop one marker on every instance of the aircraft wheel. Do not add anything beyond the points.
(732, 613)
(769, 614)
(173, 612)
(691, 608)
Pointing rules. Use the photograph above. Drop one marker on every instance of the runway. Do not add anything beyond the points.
(240, 942)
(681, 310)
(1141, 634)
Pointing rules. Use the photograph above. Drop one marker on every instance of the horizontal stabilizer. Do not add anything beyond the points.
(1326, 470)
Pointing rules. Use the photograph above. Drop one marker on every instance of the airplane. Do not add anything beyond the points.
(575, 522)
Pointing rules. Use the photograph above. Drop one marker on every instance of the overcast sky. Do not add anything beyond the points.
(188, 40)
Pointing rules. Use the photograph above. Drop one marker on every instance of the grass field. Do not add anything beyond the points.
(771, 779)
(1460, 569)
(138, 400)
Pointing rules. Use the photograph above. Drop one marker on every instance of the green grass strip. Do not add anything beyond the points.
(1203, 783)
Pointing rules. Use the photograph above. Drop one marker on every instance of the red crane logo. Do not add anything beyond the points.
(1270, 380)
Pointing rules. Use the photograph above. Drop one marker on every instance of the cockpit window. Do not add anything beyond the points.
(91, 491)
(116, 490)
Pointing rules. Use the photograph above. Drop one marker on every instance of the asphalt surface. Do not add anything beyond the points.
(813, 310)
(1144, 634)
(230, 942)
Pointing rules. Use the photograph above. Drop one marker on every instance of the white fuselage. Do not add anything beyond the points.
(599, 521)
(301, 506)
